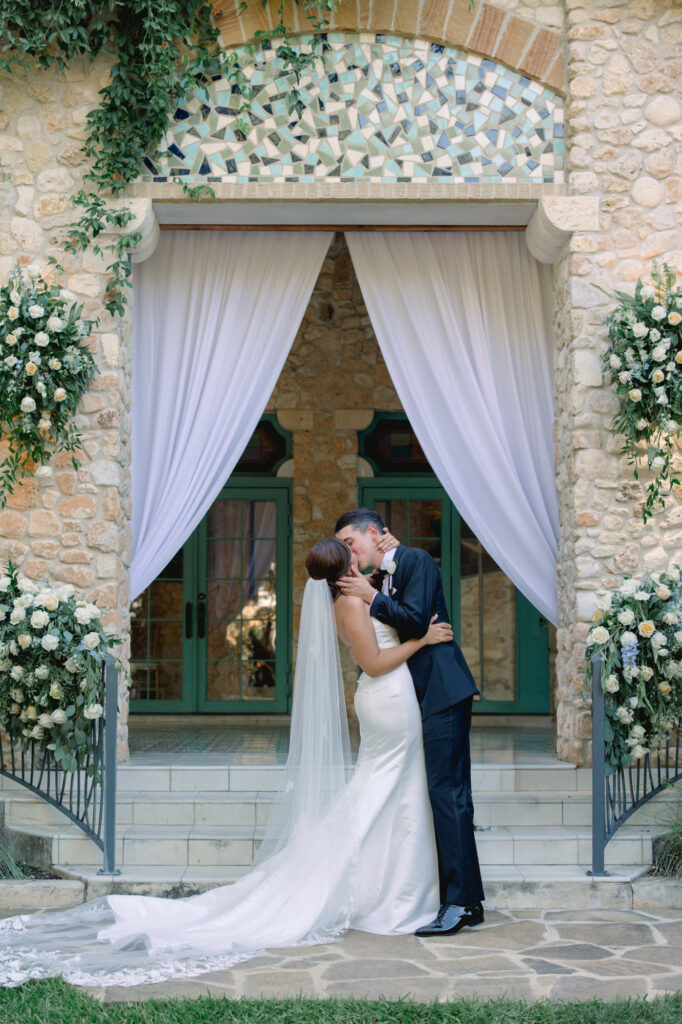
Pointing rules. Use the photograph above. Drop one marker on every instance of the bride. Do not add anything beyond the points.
(345, 848)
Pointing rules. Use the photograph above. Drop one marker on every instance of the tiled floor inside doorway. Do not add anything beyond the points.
(251, 740)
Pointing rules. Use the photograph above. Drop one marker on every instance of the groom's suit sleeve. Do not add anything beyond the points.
(416, 580)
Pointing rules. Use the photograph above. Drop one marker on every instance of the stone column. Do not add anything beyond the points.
(623, 121)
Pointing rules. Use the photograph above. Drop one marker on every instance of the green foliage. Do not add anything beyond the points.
(55, 1002)
(45, 367)
(159, 52)
(644, 359)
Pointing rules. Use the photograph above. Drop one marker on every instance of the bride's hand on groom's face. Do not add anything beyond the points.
(387, 542)
(356, 585)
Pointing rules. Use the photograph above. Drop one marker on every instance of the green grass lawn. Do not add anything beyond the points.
(55, 1002)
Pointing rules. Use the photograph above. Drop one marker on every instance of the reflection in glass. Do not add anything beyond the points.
(488, 618)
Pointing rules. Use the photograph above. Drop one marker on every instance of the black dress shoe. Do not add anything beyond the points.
(451, 919)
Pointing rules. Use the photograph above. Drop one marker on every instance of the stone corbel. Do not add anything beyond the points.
(147, 224)
(555, 219)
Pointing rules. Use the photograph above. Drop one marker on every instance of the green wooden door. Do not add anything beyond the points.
(212, 632)
(503, 637)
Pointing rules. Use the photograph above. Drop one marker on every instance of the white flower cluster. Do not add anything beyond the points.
(44, 365)
(51, 649)
(644, 359)
(639, 638)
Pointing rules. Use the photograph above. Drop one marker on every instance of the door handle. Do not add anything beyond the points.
(201, 617)
(188, 620)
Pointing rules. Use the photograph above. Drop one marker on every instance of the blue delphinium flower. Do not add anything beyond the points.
(629, 652)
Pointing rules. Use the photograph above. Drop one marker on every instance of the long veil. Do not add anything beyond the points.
(299, 891)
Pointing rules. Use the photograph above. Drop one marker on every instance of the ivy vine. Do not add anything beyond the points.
(160, 50)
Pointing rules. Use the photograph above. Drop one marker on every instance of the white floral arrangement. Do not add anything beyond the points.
(638, 632)
(45, 367)
(644, 359)
(52, 646)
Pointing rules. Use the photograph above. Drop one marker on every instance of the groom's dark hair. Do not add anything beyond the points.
(360, 519)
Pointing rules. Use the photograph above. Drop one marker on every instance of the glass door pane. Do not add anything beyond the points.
(157, 660)
(243, 604)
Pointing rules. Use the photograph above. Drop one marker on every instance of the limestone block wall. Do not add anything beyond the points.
(624, 72)
(65, 525)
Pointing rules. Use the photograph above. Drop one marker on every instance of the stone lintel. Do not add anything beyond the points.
(352, 419)
(555, 219)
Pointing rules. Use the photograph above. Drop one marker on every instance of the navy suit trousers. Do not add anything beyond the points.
(448, 774)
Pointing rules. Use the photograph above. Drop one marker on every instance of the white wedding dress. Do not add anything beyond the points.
(368, 863)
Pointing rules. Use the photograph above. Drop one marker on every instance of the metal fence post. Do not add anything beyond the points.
(598, 771)
(110, 759)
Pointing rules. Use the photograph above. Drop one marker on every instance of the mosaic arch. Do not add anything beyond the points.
(381, 109)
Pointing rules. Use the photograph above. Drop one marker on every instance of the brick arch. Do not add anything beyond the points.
(486, 30)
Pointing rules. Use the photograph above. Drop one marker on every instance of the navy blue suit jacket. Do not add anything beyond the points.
(440, 674)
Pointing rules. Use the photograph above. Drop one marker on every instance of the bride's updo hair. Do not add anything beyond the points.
(328, 560)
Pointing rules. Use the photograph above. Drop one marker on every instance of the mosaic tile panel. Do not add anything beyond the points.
(383, 109)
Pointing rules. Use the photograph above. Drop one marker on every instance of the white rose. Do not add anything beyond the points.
(615, 362)
(639, 329)
(658, 462)
(638, 731)
(56, 324)
(654, 335)
(624, 377)
(37, 732)
(17, 694)
(59, 394)
(659, 353)
(638, 751)
(11, 361)
(49, 642)
(661, 397)
(641, 595)
(633, 702)
(605, 602)
(66, 296)
(46, 720)
(42, 672)
(635, 395)
(599, 635)
(14, 708)
(674, 574)
(624, 716)
(36, 311)
(648, 291)
(42, 339)
(56, 691)
(663, 592)
(70, 666)
(670, 618)
(12, 312)
(82, 616)
(24, 640)
(51, 602)
(628, 638)
(17, 615)
(55, 364)
(664, 687)
(28, 404)
(39, 619)
(31, 713)
(611, 684)
(33, 270)
(646, 673)
(90, 641)
(658, 640)
(5, 583)
(642, 424)
(658, 313)
(626, 617)
(93, 711)
(59, 716)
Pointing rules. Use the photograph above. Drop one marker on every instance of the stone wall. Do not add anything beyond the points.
(624, 132)
(66, 525)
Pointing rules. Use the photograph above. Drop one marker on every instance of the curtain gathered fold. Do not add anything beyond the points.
(464, 323)
(215, 317)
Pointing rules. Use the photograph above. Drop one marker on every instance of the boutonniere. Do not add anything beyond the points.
(391, 568)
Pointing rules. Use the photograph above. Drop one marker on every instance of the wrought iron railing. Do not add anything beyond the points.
(615, 797)
(87, 796)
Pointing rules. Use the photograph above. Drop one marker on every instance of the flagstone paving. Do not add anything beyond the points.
(529, 954)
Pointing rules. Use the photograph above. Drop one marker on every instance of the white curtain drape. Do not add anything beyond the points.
(464, 323)
(215, 316)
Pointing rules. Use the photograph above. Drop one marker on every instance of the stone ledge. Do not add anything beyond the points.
(39, 894)
(555, 220)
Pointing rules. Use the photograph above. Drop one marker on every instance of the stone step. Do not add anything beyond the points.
(170, 778)
(234, 846)
(206, 808)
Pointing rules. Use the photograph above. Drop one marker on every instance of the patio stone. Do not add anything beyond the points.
(510, 935)
(579, 951)
(580, 987)
(272, 985)
(658, 954)
(671, 983)
(623, 933)
(372, 969)
(546, 967)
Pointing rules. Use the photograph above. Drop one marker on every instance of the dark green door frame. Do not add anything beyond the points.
(532, 648)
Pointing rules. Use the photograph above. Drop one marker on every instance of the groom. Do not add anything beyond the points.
(410, 593)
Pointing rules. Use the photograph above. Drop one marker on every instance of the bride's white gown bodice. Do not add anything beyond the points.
(372, 867)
